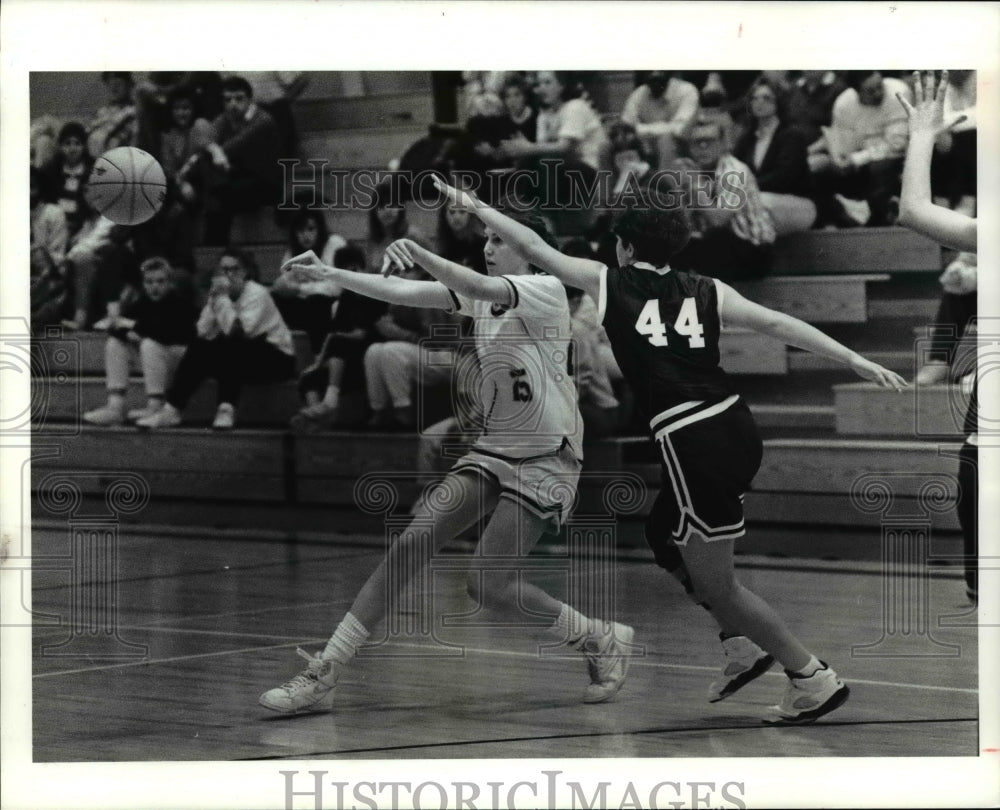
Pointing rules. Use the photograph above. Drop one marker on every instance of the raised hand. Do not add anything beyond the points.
(926, 114)
(455, 196)
(306, 267)
(878, 374)
(399, 255)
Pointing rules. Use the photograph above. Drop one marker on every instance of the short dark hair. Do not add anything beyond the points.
(244, 257)
(655, 230)
(237, 84)
(855, 78)
(301, 218)
(73, 129)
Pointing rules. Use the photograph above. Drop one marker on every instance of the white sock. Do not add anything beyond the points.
(572, 626)
(332, 396)
(343, 644)
(116, 400)
(811, 668)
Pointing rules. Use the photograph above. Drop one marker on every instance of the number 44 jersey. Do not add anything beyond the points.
(664, 327)
(528, 387)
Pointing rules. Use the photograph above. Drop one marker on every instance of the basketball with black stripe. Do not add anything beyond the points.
(127, 185)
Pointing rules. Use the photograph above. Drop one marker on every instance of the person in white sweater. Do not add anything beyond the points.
(241, 338)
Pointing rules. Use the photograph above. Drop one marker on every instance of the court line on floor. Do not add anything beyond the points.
(476, 650)
(749, 726)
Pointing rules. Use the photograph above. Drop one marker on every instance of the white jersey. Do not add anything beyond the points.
(528, 386)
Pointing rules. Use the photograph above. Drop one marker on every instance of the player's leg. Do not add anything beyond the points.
(513, 532)
(454, 505)
(814, 688)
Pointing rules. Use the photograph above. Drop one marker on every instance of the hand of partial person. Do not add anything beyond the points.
(398, 256)
(220, 286)
(926, 114)
(456, 197)
(305, 267)
(877, 374)
(959, 278)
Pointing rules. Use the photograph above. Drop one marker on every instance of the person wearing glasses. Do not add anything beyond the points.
(241, 339)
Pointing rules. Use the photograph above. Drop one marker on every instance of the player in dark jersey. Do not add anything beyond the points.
(664, 330)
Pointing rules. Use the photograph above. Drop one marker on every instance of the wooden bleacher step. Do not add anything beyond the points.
(919, 412)
(855, 250)
(743, 351)
(815, 299)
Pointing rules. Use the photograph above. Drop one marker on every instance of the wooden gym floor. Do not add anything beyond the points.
(220, 620)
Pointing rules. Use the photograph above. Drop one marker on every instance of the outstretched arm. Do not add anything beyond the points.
(405, 253)
(917, 210)
(582, 273)
(428, 294)
(738, 311)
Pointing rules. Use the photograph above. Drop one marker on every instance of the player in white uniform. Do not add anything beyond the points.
(524, 468)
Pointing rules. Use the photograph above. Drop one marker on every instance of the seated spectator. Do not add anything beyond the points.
(309, 306)
(732, 231)
(157, 328)
(953, 168)
(339, 366)
(387, 222)
(517, 97)
(777, 155)
(51, 294)
(275, 91)
(101, 264)
(397, 364)
(240, 339)
(460, 238)
(67, 173)
(866, 143)
(714, 107)
(245, 154)
(661, 110)
(631, 165)
(477, 149)
(114, 124)
(176, 144)
(810, 107)
(43, 137)
(567, 128)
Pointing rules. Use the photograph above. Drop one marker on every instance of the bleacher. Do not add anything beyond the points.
(824, 430)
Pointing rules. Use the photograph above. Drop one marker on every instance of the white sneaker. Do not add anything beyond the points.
(168, 416)
(306, 690)
(105, 416)
(745, 661)
(225, 417)
(808, 698)
(136, 414)
(607, 662)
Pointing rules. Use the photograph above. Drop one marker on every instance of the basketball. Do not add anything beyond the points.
(127, 185)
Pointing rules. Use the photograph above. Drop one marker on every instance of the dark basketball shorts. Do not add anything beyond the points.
(710, 453)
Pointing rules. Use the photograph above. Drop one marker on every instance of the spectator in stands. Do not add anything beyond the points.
(157, 328)
(477, 149)
(810, 108)
(517, 101)
(43, 137)
(460, 238)
(631, 164)
(245, 154)
(114, 124)
(177, 144)
(309, 306)
(866, 142)
(953, 168)
(339, 368)
(732, 231)
(714, 106)
(568, 128)
(387, 222)
(397, 365)
(275, 91)
(67, 173)
(661, 110)
(50, 290)
(777, 155)
(240, 339)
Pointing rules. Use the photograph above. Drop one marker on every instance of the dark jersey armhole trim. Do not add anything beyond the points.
(454, 299)
(514, 298)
